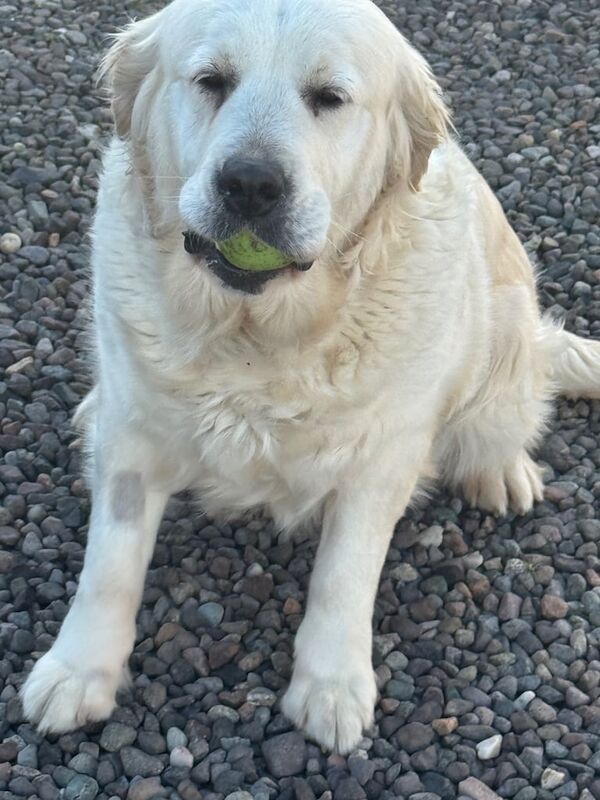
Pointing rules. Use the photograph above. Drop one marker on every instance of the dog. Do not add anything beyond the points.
(402, 341)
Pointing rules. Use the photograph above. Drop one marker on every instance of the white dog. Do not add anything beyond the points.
(413, 346)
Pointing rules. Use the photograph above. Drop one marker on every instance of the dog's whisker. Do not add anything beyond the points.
(424, 218)
(348, 233)
(335, 247)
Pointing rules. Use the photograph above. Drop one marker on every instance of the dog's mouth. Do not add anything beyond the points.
(242, 280)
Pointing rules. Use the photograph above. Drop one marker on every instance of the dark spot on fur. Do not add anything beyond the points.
(127, 498)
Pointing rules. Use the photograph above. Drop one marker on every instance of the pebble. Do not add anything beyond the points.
(285, 754)
(445, 726)
(541, 712)
(406, 573)
(8, 751)
(223, 712)
(552, 778)
(524, 700)
(38, 256)
(554, 607)
(181, 757)
(10, 243)
(476, 790)
(28, 756)
(81, 787)
(84, 763)
(415, 736)
(432, 536)
(261, 697)
(574, 697)
(136, 762)
(116, 735)
(489, 748)
(211, 614)
(144, 789)
(176, 738)
(155, 696)
(510, 606)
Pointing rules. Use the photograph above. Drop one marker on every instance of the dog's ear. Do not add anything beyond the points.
(125, 67)
(419, 119)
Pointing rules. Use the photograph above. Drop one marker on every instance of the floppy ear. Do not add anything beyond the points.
(125, 67)
(419, 118)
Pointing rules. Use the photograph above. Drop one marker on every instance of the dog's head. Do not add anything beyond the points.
(285, 118)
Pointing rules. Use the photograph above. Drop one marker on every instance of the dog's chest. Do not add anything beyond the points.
(258, 433)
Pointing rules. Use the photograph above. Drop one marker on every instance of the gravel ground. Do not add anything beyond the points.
(487, 643)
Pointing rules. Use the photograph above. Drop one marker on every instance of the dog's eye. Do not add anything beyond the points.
(325, 99)
(214, 82)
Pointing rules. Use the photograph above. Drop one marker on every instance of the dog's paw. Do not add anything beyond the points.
(518, 485)
(488, 492)
(333, 708)
(525, 485)
(60, 697)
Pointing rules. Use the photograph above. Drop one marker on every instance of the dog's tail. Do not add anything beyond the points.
(574, 363)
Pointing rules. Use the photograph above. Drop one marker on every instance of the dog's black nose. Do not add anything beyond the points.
(251, 187)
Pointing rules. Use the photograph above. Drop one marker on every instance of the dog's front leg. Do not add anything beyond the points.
(333, 690)
(76, 681)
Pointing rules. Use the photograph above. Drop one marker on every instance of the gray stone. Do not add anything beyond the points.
(415, 736)
(135, 762)
(475, 789)
(145, 789)
(84, 763)
(38, 213)
(211, 614)
(116, 735)
(28, 756)
(285, 754)
(35, 254)
(81, 787)
(176, 738)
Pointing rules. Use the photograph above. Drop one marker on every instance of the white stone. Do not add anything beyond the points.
(552, 778)
(181, 757)
(24, 362)
(489, 748)
(524, 700)
(10, 243)
(405, 573)
(473, 560)
(260, 696)
(432, 537)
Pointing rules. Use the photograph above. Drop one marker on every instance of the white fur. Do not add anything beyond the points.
(413, 346)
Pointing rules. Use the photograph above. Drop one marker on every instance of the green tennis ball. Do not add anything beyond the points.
(246, 251)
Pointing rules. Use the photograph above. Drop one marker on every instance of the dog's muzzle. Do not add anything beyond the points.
(239, 279)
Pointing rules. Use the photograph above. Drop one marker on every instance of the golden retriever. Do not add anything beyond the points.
(403, 340)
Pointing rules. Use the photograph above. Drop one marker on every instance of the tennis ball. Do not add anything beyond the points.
(246, 251)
